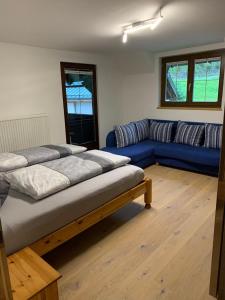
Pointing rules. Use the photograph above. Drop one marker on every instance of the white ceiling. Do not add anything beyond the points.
(95, 25)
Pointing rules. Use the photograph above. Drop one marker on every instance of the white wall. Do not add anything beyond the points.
(133, 62)
(141, 94)
(128, 87)
(30, 84)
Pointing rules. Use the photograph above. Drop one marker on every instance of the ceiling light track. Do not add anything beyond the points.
(140, 25)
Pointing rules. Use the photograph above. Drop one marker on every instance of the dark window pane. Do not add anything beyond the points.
(176, 81)
(80, 111)
(206, 80)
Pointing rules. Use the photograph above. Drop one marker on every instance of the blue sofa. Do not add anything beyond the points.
(148, 152)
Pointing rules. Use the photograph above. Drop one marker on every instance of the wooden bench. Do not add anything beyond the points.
(25, 275)
(31, 277)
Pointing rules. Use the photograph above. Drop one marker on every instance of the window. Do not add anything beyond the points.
(79, 92)
(194, 80)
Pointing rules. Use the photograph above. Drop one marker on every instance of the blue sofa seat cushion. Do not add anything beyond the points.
(136, 152)
(198, 155)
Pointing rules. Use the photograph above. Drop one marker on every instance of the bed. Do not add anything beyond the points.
(33, 225)
(26, 221)
(44, 223)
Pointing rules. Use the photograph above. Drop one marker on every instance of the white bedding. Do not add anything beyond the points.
(42, 180)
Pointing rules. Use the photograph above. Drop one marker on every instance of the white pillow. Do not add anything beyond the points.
(74, 148)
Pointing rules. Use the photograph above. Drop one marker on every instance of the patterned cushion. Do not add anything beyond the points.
(213, 136)
(126, 135)
(189, 134)
(142, 129)
(161, 132)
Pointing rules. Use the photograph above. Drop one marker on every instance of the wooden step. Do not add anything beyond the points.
(31, 277)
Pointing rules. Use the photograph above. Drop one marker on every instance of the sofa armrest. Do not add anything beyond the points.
(111, 139)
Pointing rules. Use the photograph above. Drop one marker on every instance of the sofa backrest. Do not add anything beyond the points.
(111, 137)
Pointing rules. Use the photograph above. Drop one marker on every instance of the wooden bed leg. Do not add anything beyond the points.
(148, 193)
(5, 286)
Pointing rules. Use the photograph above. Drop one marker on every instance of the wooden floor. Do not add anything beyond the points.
(162, 253)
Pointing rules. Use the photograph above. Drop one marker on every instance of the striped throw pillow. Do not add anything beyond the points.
(126, 135)
(213, 136)
(160, 131)
(189, 134)
(142, 129)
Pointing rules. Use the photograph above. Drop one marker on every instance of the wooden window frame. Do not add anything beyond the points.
(190, 83)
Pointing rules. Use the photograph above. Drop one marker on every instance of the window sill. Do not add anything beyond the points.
(190, 108)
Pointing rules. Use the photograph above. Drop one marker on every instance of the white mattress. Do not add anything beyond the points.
(25, 220)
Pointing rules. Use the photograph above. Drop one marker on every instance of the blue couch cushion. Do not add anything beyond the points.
(111, 139)
(160, 131)
(136, 152)
(126, 135)
(189, 134)
(198, 155)
(213, 136)
(142, 127)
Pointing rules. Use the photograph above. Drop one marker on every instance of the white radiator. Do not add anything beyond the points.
(23, 133)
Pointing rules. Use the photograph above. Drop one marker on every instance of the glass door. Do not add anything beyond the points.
(80, 104)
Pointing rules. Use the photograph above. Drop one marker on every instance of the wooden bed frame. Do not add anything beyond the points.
(5, 286)
(53, 240)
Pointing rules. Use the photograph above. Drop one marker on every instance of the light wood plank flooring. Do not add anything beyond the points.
(162, 253)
